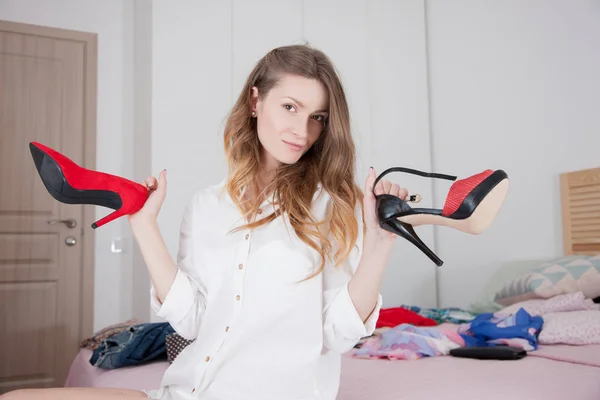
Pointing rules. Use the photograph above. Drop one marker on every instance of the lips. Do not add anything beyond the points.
(294, 146)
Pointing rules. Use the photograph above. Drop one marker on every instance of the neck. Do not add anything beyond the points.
(268, 168)
(264, 177)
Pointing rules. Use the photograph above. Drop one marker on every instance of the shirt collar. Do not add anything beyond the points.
(268, 201)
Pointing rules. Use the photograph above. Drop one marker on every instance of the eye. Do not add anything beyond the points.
(320, 118)
(289, 107)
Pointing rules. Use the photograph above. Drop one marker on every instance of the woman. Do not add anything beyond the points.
(280, 265)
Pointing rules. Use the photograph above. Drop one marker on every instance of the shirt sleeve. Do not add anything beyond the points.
(185, 302)
(343, 326)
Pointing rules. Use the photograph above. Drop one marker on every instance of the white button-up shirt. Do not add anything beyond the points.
(261, 331)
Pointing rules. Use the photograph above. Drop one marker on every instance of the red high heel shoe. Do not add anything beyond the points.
(69, 183)
(471, 206)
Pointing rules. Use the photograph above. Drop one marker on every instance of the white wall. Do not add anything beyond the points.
(515, 87)
(454, 87)
(204, 50)
(142, 142)
(112, 21)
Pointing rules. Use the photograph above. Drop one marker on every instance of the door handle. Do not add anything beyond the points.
(70, 223)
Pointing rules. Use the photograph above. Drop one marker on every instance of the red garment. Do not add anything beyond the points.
(390, 317)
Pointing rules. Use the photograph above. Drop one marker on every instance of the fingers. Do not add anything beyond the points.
(379, 188)
(150, 182)
(403, 194)
(387, 187)
(157, 184)
(369, 183)
(383, 186)
(162, 181)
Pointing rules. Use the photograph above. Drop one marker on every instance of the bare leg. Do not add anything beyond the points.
(73, 393)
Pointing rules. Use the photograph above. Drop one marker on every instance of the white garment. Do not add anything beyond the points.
(261, 332)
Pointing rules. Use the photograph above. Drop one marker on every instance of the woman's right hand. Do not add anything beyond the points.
(157, 191)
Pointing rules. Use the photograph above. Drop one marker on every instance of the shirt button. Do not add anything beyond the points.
(237, 297)
(240, 266)
(207, 359)
(260, 210)
(247, 236)
(226, 329)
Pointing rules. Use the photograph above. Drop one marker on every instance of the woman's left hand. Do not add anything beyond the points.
(369, 202)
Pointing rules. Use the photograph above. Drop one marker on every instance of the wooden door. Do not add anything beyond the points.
(47, 94)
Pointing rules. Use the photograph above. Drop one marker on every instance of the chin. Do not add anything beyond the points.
(285, 156)
(289, 160)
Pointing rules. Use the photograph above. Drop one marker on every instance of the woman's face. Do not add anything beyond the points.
(290, 118)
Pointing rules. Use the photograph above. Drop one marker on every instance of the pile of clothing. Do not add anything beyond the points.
(418, 336)
(406, 314)
(133, 343)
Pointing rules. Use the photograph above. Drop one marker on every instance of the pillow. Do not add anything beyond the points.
(569, 274)
(571, 327)
(563, 302)
(175, 344)
(507, 271)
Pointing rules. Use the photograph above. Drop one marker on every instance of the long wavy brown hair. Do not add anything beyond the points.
(330, 160)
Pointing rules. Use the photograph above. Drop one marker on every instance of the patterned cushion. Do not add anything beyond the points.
(175, 345)
(571, 327)
(569, 274)
(560, 303)
(504, 272)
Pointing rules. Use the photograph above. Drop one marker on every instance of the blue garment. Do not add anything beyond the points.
(491, 329)
(136, 345)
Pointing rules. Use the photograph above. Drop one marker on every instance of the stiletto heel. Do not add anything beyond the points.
(69, 183)
(471, 206)
(110, 217)
(407, 232)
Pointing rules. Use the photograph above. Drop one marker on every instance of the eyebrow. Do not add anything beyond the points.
(302, 105)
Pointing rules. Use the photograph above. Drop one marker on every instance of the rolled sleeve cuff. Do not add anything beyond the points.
(178, 301)
(350, 324)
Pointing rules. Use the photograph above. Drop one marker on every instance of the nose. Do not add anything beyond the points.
(301, 128)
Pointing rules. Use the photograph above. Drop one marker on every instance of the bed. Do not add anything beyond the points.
(554, 371)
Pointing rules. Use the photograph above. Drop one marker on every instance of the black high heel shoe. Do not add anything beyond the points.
(471, 206)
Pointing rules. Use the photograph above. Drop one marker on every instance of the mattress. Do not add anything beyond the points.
(541, 376)
(551, 372)
(83, 374)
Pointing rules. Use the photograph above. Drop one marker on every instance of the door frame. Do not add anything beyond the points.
(90, 43)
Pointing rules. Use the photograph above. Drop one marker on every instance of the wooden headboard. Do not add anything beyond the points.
(580, 199)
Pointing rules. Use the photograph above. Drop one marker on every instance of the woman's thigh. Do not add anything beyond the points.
(74, 393)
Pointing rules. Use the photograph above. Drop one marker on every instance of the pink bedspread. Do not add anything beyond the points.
(82, 373)
(552, 372)
(446, 377)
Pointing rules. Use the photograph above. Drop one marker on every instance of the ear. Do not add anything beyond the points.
(254, 98)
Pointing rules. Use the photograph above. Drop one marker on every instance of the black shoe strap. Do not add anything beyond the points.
(414, 172)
